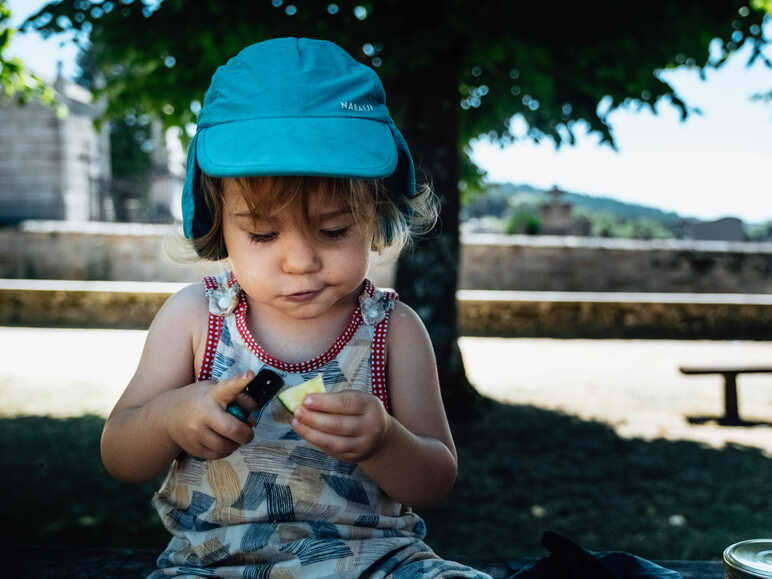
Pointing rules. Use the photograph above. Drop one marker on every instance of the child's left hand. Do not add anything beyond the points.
(349, 425)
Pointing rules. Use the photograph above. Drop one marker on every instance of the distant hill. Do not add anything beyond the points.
(511, 207)
(524, 195)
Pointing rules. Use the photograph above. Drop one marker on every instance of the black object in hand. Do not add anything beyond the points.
(264, 386)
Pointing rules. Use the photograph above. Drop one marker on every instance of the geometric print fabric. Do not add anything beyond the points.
(280, 507)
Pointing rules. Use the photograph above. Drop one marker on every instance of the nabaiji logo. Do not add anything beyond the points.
(349, 106)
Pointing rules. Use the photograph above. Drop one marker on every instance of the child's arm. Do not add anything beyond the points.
(410, 453)
(163, 411)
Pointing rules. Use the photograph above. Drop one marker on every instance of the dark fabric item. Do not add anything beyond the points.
(567, 560)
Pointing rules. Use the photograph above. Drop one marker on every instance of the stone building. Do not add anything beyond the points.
(557, 218)
(725, 229)
(555, 214)
(54, 167)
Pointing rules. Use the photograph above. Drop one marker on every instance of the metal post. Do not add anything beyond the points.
(731, 415)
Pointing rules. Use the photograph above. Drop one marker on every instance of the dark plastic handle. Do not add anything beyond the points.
(264, 386)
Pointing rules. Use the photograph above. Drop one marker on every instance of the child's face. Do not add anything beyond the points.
(296, 271)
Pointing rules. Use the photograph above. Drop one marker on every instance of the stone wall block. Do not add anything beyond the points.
(126, 252)
(133, 305)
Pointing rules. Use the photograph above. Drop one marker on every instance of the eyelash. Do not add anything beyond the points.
(331, 234)
(339, 233)
(261, 237)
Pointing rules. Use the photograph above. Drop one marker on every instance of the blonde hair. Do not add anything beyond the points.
(394, 221)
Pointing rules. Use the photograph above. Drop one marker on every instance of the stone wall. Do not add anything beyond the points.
(51, 165)
(93, 304)
(614, 315)
(97, 251)
(30, 168)
(547, 263)
(92, 251)
(62, 250)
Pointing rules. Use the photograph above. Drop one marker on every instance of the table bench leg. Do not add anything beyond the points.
(731, 414)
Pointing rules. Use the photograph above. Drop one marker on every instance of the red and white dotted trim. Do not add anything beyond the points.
(378, 369)
(210, 282)
(296, 367)
(212, 335)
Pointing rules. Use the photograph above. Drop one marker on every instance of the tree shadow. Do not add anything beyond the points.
(523, 470)
(723, 421)
(61, 494)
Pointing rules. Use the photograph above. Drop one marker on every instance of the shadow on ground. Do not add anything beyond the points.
(523, 470)
(723, 421)
(61, 493)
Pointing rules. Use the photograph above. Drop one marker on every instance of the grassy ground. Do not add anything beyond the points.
(523, 470)
(526, 470)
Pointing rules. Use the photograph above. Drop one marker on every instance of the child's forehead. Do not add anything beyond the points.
(261, 199)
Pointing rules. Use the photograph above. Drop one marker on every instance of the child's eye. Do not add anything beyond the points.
(261, 237)
(337, 233)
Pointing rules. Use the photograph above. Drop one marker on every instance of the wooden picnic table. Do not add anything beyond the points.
(731, 413)
(54, 562)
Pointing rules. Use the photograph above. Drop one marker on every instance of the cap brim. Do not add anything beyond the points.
(319, 146)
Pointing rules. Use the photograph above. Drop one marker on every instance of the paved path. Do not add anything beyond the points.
(634, 385)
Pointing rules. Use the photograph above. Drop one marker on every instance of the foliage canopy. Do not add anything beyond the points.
(551, 62)
(15, 81)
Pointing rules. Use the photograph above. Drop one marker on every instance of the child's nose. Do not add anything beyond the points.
(299, 255)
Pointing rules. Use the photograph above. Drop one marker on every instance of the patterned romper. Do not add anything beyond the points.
(279, 507)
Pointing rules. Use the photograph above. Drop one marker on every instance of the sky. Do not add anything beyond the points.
(710, 166)
(714, 165)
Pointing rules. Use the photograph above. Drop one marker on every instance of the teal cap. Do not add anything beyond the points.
(293, 106)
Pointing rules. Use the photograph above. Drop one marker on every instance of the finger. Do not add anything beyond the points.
(214, 446)
(340, 424)
(207, 453)
(224, 392)
(343, 402)
(331, 443)
(231, 428)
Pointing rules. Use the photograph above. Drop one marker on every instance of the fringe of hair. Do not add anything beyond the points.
(397, 221)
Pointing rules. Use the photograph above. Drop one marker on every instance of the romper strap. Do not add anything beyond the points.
(378, 366)
(214, 330)
(212, 339)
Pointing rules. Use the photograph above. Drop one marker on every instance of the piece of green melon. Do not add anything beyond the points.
(292, 398)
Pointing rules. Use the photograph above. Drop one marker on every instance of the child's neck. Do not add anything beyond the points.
(297, 340)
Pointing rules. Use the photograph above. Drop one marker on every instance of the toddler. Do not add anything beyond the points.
(295, 174)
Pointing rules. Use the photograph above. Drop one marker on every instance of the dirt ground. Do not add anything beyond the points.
(634, 385)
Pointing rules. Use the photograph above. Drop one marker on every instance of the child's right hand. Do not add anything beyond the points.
(198, 422)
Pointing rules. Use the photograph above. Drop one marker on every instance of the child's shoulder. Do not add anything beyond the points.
(180, 325)
(191, 297)
(186, 307)
(405, 321)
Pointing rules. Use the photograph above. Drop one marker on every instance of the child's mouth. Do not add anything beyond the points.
(303, 296)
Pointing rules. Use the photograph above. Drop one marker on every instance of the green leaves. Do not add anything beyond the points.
(15, 81)
(537, 60)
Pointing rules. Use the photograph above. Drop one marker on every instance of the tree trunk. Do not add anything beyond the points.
(427, 273)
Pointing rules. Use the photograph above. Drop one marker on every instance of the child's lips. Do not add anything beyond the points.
(304, 296)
